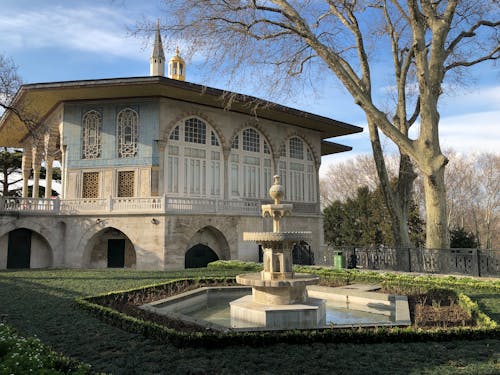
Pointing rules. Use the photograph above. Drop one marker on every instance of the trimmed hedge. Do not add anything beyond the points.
(486, 328)
(349, 276)
(21, 355)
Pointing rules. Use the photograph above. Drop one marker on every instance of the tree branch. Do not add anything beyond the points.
(469, 34)
(493, 55)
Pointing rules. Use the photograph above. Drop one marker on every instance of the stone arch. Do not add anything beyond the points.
(201, 116)
(302, 254)
(109, 248)
(206, 245)
(198, 256)
(22, 246)
(253, 169)
(255, 125)
(317, 159)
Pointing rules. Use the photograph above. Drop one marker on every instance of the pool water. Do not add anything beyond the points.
(217, 311)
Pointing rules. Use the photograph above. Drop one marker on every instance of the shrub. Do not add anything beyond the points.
(20, 355)
(235, 265)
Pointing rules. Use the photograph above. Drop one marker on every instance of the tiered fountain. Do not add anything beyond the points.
(279, 296)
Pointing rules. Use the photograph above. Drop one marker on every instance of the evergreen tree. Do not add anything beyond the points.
(10, 169)
(365, 221)
(462, 239)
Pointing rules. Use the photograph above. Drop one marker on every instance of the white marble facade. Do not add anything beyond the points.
(157, 173)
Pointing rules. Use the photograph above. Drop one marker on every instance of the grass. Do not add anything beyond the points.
(40, 303)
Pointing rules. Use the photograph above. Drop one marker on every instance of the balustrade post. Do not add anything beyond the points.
(110, 203)
(57, 204)
(164, 202)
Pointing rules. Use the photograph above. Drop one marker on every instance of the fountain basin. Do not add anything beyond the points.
(278, 291)
(273, 315)
(270, 237)
(349, 306)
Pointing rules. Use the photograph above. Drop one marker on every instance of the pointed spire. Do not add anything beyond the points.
(157, 60)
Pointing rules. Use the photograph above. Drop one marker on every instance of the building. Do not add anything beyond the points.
(157, 173)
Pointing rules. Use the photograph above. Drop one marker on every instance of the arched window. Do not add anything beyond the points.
(127, 126)
(91, 144)
(297, 171)
(250, 165)
(194, 161)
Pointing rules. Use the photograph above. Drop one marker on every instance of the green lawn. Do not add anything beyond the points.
(41, 303)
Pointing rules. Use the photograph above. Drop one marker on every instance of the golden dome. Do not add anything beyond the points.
(177, 67)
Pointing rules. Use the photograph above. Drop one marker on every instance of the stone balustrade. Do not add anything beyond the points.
(125, 205)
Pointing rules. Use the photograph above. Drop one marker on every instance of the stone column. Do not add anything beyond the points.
(26, 168)
(226, 153)
(36, 171)
(63, 170)
(48, 176)
(161, 161)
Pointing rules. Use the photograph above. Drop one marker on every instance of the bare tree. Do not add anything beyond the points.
(342, 180)
(9, 81)
(425, 39)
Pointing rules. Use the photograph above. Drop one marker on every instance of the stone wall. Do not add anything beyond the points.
(152, 241)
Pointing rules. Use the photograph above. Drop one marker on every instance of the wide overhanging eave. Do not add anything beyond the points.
(43, 98)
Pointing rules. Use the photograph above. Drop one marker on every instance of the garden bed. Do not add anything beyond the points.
(437, 313)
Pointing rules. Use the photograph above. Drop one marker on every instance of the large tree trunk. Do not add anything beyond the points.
(397, 200)
(435, 203)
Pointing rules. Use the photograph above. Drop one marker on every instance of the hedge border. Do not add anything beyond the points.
(486, 329)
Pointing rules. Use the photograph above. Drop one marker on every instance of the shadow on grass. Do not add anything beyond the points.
(41, 303)
(489, 304)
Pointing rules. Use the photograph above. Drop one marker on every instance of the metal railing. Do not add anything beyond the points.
(473, 262)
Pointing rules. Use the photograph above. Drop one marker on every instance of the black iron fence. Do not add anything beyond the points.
(473, 262)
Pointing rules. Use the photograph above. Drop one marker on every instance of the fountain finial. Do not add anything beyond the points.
(276, 191)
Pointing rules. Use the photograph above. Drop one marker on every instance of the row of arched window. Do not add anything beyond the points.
(194, 164)
(127, 132)
(194, 160)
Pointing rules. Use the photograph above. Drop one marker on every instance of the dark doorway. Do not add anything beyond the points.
(19, 249)
(199, 256)
(116, 253)
(302, 254)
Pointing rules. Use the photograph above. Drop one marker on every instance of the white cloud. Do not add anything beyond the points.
(476, 100)
(472, 132)
(95, 29)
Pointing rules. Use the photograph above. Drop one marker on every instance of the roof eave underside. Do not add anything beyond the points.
(328, 148)
(45, 97)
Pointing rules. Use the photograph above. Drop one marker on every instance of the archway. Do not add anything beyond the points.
(199, 256)
(24, 248)
(207, 245)
(19, 249)
(110, 248)
(302, 254)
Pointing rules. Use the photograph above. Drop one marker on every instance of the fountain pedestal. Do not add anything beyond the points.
(279, 296)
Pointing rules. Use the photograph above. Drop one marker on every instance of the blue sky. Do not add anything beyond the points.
(56, 40)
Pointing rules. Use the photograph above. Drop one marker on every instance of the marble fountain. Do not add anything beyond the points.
(278, 297)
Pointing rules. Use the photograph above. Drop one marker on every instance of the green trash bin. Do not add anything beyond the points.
(338, 260)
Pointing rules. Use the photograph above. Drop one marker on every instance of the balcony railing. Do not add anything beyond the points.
(142, 205)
